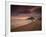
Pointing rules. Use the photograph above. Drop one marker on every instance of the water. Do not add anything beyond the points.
(19, 22)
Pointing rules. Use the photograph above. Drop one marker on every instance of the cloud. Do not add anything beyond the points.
(19, 10)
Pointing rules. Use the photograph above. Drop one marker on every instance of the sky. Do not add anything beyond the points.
(25, 11)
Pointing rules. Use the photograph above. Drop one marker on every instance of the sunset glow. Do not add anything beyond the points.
(20, 17)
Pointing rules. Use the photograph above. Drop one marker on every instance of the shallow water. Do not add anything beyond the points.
(19, 22)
